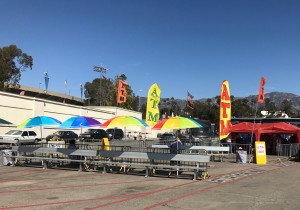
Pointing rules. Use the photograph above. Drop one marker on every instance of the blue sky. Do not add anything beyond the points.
(181, 45)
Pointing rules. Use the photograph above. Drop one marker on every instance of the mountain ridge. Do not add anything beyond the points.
(276, 97)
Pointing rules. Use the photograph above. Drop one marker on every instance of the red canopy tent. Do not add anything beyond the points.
(265, 128)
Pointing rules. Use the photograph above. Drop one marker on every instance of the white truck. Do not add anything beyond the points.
(18, 137)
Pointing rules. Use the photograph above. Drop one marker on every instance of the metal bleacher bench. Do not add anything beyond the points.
(213, 151)
(149, 161)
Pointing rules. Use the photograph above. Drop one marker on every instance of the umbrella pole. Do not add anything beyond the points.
(125, 133)
(41, 133)
(190, 135)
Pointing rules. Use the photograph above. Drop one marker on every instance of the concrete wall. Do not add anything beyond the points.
(16, 109)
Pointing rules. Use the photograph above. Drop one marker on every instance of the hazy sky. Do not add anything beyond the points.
(186, 45)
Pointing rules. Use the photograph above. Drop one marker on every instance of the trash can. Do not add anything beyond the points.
(7, 160)
(241, 156)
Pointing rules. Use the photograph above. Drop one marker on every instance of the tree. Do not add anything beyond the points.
(286, 106)
(174, 107)
(241, 108)
(208, 101)
(171, 107)
(297, 114)
(143, 110)
(108, 92)
(12, 62)
(270, 105)
(206, 111)
(93, 92)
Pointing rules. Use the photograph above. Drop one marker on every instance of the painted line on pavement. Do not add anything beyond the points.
(132, 196)
(74, 186)
(139, 195)
(212, 187)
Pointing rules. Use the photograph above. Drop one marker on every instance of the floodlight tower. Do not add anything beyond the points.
(102, 71)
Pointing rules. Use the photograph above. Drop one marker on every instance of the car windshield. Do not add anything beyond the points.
(57, 133)
(14, 132)
(167, 134)
(90, 131)
(93, 131)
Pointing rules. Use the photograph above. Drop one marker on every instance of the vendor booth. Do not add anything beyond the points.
(266, 128)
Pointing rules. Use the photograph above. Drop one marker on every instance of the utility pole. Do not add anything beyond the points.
(101, 70)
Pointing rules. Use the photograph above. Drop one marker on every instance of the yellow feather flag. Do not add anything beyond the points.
(152, 113)
(225, 110)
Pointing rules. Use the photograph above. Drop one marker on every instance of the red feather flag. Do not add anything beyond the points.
(261, 94)
(190, 100)
(122, 92)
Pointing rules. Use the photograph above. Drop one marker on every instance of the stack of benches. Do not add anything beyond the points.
(212, 151)
(125, 160)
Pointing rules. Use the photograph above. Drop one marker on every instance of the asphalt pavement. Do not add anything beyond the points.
(230, 186)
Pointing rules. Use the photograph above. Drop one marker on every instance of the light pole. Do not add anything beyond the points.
(81, 90)
(139, 100)
(101, 70)
(66, 86)
(46, 76)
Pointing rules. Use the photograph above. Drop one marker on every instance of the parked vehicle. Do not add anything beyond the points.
(167, 136)
(62, 135)
(93, 134)
(115, 133)
(17, 137)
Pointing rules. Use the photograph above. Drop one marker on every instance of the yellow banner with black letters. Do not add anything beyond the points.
(152, 112)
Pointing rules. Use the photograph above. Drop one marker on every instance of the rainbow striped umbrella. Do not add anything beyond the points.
(80, 122)
(39, 121)
(23, 124)
(123, 121)
(176, 123)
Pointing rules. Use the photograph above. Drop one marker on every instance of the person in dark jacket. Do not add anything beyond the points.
(72, 145)
(176, 146)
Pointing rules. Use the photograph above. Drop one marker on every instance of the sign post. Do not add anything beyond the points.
(105, 144)
(260, 152)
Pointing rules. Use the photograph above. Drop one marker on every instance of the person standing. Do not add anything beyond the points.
(72, 146)
(176, 146)
(135, 135)
(146, 136)
(278, 144)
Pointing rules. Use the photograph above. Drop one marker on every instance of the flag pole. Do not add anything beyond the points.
(260, 99)
(251, 142)
(254, 123)
(187, 99)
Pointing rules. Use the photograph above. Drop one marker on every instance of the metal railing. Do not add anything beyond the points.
(288, 150)
(283, 150)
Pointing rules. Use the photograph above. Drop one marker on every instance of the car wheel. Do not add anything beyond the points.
(36, 141)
